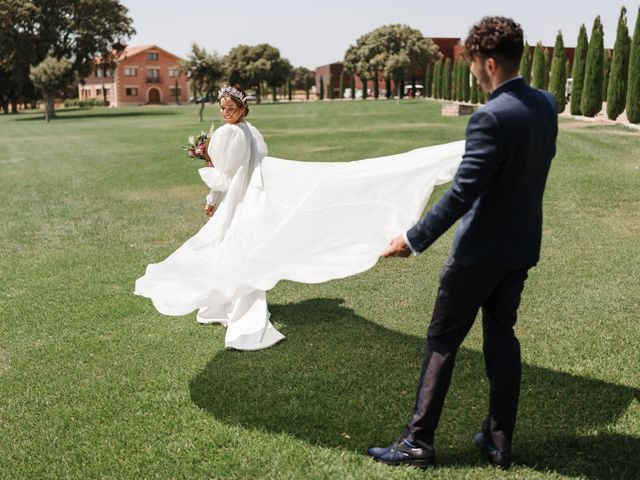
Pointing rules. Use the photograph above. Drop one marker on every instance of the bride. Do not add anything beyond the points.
(274, 219)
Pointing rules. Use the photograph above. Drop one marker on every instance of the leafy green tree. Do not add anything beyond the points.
(539, 68)
(299, 76)
(428, 81)
(365, 85)
(525, 63)
(617, 88)
(398, 51)
(205, 72)
(251, 66)
(558, 80)
(353, 87)
(591, 101)
(579, 64)
(51, 76)
(79, 31)
(633, 90)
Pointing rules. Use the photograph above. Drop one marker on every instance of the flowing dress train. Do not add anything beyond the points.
(277, 219)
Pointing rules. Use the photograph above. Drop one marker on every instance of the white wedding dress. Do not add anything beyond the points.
(279, 219)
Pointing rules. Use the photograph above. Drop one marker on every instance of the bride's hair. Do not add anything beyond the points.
(237, 101)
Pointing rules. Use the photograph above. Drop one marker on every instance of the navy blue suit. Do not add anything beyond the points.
(497, 191)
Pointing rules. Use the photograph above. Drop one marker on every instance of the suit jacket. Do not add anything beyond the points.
(498, 187)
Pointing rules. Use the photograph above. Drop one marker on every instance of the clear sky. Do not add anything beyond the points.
(316, 32)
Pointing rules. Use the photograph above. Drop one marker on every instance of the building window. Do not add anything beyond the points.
(130, 71)
(107, 72)
(99, 72)
(153, 75)
(174, 72)
(98, 92)
(152, 56)
(175, 92)
(131, 92)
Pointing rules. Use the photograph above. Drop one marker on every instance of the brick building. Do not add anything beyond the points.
(142, 75)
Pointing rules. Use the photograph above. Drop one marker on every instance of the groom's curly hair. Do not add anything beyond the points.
(499, 38)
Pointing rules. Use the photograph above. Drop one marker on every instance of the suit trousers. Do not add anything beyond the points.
(462, 292)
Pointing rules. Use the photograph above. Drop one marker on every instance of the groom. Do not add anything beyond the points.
(497, 191)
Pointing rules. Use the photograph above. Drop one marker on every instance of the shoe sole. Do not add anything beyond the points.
(421, 464)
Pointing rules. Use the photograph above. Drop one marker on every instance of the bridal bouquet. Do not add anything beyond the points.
(196, 146)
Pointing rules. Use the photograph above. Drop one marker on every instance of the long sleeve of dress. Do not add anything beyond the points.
(229, 148)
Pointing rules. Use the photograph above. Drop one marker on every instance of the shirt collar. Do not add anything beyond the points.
(503, 84)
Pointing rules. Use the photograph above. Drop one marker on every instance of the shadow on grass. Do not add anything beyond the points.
(342, 381)
(84, 113)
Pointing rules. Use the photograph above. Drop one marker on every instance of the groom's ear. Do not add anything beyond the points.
(491, 65)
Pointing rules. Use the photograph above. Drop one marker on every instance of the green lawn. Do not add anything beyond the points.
(94, 383)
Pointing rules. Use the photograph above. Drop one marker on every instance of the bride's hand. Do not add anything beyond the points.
(209, 210)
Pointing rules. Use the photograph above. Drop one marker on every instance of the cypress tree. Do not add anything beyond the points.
(306, 87)
(591, 101)
(547, 71)
(539, 69)
(466, 79)
(353, 86)
(474, 89)
(525, 63)
(376, 86)
(559, 73)
(365, 85)
(321, 88)
(579, 61)
(633, 90)
(617, 88)
(428, 81)
(341, 86)
(437, 80)
(447, 72)
(455, 81)
(607, 73)
(290, 86)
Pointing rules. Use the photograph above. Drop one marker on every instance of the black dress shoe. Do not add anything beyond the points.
(497, 458)
(403, 452)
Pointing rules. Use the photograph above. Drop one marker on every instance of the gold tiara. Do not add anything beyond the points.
(229, 91)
